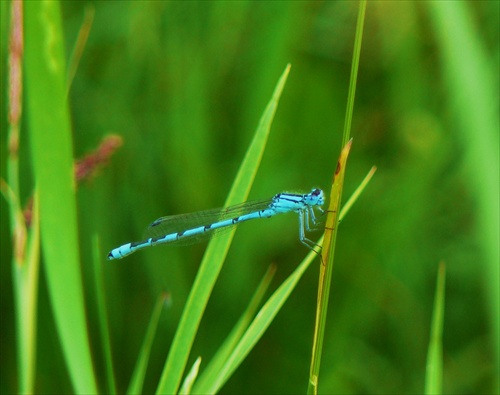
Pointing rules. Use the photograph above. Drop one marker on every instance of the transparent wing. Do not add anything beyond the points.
(182, 222)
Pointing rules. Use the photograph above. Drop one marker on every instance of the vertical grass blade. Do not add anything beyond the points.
(354, 72)
(53, 170)
(472, 81)
(25, 278)
(216, 253)
(434, 373)
(326, 268)
(332, 218)
(25, 239)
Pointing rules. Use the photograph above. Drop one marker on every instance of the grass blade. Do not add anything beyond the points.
(357, 193)
(25, 238)
(191, 377)
(261, 323)
(103, 317)
(332, 218)
(26, 266)
(83, 36)
(354, 72)
(53, 168)
(434, 371)
(326, 268)
(137, 381)
(212, 371)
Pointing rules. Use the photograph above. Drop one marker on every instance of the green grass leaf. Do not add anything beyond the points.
(137, 381)
(50, 134)
(102, 316)
(260, 324)
(26, 276)
(434, 371)
(212, 373)
(190, 377)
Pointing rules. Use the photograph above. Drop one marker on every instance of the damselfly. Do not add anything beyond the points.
(194, 227)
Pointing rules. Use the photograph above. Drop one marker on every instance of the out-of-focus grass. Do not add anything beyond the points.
(48, 118)
(184, 83)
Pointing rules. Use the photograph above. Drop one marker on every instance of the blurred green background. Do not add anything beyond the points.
(185, 83)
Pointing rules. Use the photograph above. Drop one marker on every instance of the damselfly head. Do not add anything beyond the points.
(316, 197)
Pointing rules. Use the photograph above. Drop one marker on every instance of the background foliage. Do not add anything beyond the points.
(185, 83)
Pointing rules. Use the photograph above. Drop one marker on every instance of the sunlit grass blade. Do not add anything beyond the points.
(190, 377)
(103, 317)
(216, 252)
(137, 381)
(50, 136)
(434, 371)
(211, 372)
